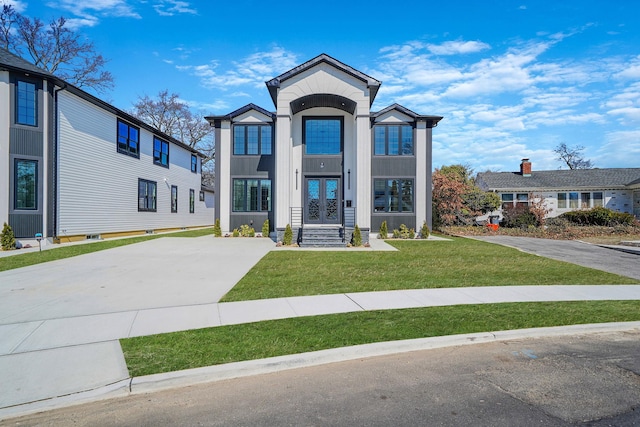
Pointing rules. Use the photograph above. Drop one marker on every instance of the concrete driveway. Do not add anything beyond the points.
(576, 252)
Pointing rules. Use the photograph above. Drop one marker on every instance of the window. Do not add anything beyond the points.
(598, 200)
(393, 195)
(251, 195)
(507, 200)
(160, 152)
(393, 140)
(174, 199)
(192, 200)
(522, 199)
(146, 195)
(585, 199)
(26, 103)
(573, 200)
(252, 140)
(194, 163)
(202, 196)
(26, 184)
(128, 139)
(322, 135)
(562, 200)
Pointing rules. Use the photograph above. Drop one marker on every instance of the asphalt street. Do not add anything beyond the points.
(591, 380)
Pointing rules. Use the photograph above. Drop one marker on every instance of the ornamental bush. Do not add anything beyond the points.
(217, 231)
(7, 238)
(287, 239)
(356, 239)
(598, 216)
(265, 228)
(382, 234)
(424, 231)
(404, 232)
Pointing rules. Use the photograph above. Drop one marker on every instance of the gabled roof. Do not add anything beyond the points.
(432, 121)
(275, 83)
(612, 178)
(241, 111)
(11, 62)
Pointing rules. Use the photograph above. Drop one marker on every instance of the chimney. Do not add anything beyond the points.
(525, 167)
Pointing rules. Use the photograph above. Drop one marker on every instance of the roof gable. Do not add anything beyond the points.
(275, 83)
(432, 121)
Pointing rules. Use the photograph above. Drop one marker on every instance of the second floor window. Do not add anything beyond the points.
(391, 140)
(252, 140)
(128, 139)
(160, 152)
(26, 103)
(194, 163)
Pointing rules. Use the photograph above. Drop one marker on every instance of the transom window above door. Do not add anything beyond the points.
(322, 135)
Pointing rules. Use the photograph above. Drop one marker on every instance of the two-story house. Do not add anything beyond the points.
(323, 162)
(74, 167)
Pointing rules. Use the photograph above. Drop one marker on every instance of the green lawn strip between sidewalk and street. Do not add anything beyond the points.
(224, 344)
(68, 251)
(458, 262)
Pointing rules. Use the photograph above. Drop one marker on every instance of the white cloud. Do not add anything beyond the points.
(457, 47)
(89, 12)
(632, 71)
(172, 7)
(18, 6)
(621, 149)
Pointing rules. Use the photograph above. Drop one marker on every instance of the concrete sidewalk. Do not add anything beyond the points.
(60, 322)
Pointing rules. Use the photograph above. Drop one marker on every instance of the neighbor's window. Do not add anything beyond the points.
(598, 200)
(202, 196)
(573, 200)
(174, 199)
(392, 140)
(252, 140)
(160, 152)
(26, 184)
(585, 199)
(322, 135)
(522, 199)
(562, 200)
(251, 195)
(26, 103)
(147, 195)
(507, 200)
(192, 200)
(128, 139)
(393, 195)
(194, 163)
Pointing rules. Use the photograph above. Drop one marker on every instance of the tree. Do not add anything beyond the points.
(169, 114)
(572, 156)
(54, 48)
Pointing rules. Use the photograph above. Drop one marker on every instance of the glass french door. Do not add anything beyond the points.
(322, 201)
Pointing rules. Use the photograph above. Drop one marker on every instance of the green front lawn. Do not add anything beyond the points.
(212, 346)
(418, 264)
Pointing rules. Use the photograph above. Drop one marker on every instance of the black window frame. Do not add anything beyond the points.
(157, 154)
(194, 163)
(261, 146)
(401, 133)
(174, 199)
(16, 185)
(192, 200)
(307, 119)
(201, 196)
(260, 201)
(17, 106)
(144, 206)
(127, 142)
(388, 196)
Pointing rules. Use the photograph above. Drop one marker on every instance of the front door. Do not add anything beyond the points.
(322, 201)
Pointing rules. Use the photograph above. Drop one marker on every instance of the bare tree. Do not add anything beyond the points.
(170, 115)
(55, 48)
(572, 156)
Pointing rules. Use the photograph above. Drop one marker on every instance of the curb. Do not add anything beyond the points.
(188, 377)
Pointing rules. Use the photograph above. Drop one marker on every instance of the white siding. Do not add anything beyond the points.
(98, 187)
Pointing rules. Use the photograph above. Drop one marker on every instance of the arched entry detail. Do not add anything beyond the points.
(323, 100)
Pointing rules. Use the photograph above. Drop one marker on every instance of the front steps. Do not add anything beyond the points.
(322, 237)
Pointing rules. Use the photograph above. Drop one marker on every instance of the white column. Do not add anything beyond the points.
(284, 175)
(363, 171)
(4, 147)
(223, 163)
(421, 188)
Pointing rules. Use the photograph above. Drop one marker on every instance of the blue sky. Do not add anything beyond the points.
(512, 79)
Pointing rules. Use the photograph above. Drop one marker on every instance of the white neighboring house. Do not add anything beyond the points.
(323, 162)
(74, 167)
(617, 189)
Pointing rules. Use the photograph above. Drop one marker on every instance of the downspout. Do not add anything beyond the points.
(54, 163)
